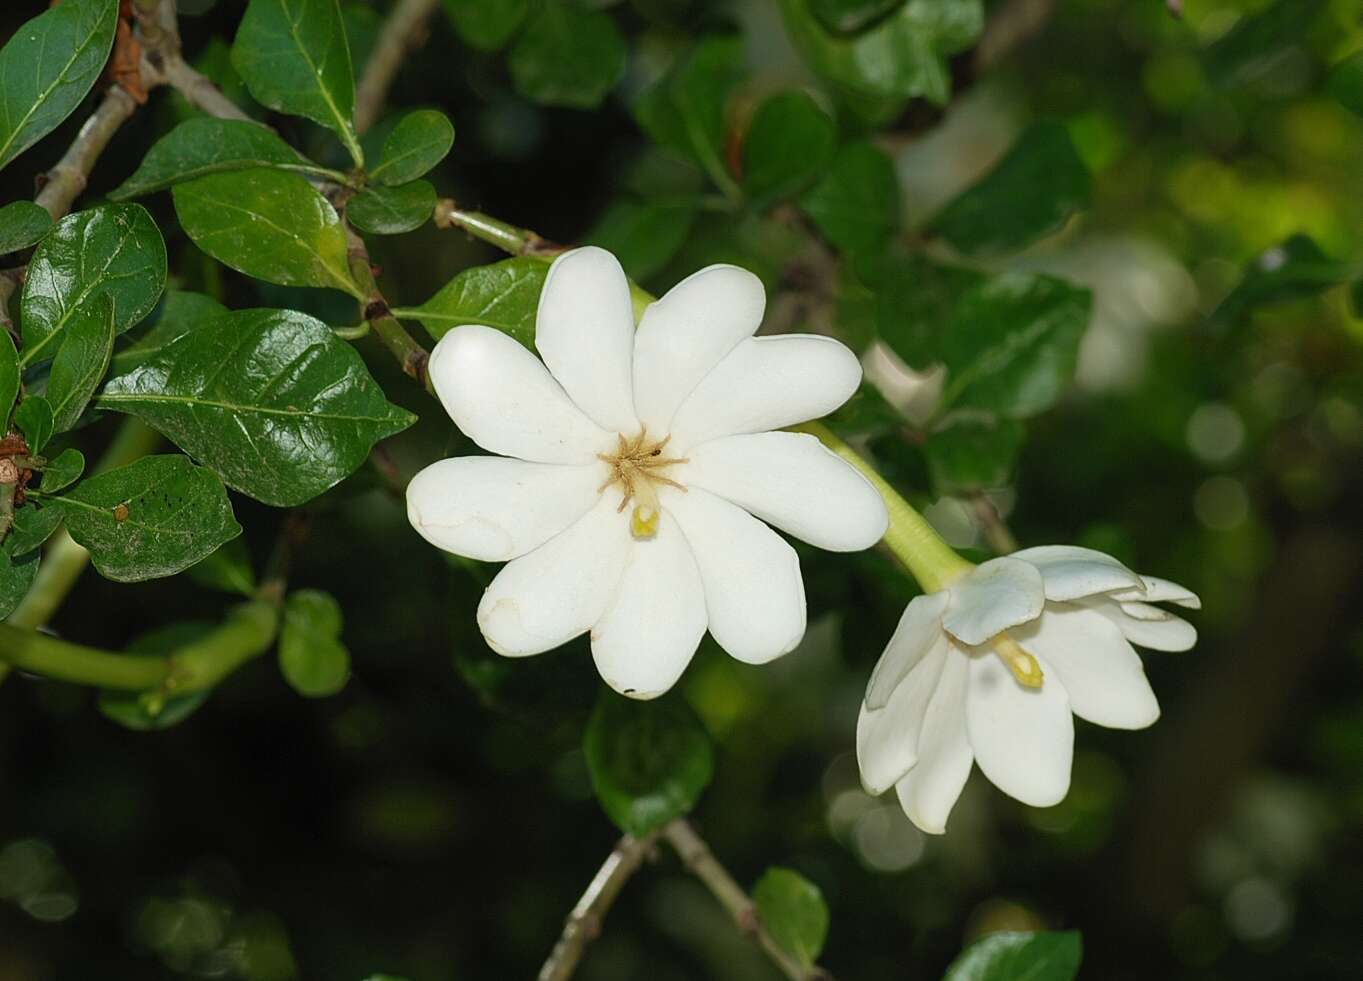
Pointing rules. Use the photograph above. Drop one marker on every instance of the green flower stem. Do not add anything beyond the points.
(912, 540)
(410, 355)
(493, 231)
(248, 632)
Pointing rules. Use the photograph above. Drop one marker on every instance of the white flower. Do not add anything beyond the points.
(989, 669)
(633, 471)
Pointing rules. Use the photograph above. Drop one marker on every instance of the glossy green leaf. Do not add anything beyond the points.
(790, 142)
(34, 419)
(271, 400)
(47, 68)
(311, 656)
(1019, 957)
(794, 912)
(855, 205)
(643, 235)
(649, 760)
(63, 470)
(9, 375)
(392, 210)
(1012, 344)
(33, 525)
(901, 57)
(153, 518)
(1291, 271)
(150, 711)
(973, 452)
(268, 224)
(178, 313)
(417, 143)
(849, 16)
(686, 109)
(22, 223)
(228, 569)
(16, 577)
(81, 361)
(915, 304)
(113, 250)
(1032, 192)
(486, 26)
(207, 145)
(568, 56)
(294, 57)
(505, 295)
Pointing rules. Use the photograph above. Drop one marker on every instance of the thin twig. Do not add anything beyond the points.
(697, 857)
(996, 531)
(68, 178)
(409, 354)
(507, 237)
(404, 31)
(584, 922)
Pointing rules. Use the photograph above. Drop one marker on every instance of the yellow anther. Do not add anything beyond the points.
(1024, 667)
(643, 523)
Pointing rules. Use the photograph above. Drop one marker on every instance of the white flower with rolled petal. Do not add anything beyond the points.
(991, 668)
(634, 467)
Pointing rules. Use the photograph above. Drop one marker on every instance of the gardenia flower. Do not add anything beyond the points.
(989, 669)
(633, 468)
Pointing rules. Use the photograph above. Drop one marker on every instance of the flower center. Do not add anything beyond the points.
(638, 466)
(1024, 667)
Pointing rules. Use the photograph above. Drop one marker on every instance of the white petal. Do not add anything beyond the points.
(767, 383)
(1023, 738)
(919, 629)
(1148, 626)
(1070, 572)
(686, 333)
(996, 595)
(551, 595)
(584, 331)
(930, 790)
(1161, 591)
(495, 508)
(754, 595)
(794, 482)
(1102, 675)
(651, 630)
(505, 400)
(887, 739)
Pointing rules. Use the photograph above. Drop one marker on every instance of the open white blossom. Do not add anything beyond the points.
(989, 670)
(633, 467)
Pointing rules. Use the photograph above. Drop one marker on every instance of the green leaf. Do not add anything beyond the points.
(81, 361)
(686, 109)
(153, 518)
(1345, 83)
(902, 57)
(150, 711)
(567, 56)
(114, 250)
(47, 68)
(486, 26)
(1012, 344)
(417, 143)
(271, 400)
(63, 470)
(790, 142)
(228, 569)
(392, 210)
(643, 235)
(268, 224)
(178, 313)
(856, 204)
(294, 58)
(207, 145)
(34, 419)
(794, 912)
(1292, 271)
(311, 656)
(505, 295)
(973, 452)
(16, 577)
(1032, 192)
(32, 526)
(649, 760)
(915, 303)
(1019, 957)
(849, 16)
(9, 376)
(22, 223)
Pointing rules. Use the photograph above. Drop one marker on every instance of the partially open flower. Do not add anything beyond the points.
(990, 668)
(634, 467)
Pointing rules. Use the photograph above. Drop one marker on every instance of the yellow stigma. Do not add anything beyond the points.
(637, 466)
(1024, 667)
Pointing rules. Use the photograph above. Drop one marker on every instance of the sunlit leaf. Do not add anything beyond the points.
(1019, 957)
(81, 361)
(794, 912)
(504, 295)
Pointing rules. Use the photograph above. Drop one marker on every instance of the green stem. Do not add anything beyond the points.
(912, 540)
(508, 238)
(410, 355)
